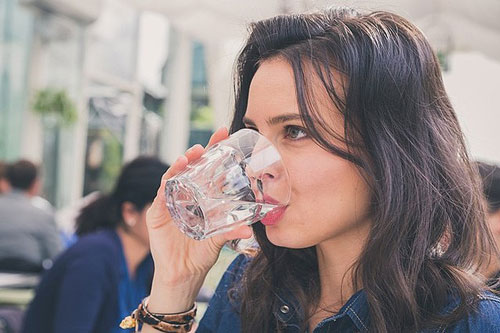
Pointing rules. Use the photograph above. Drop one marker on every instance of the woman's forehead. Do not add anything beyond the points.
(273, 90)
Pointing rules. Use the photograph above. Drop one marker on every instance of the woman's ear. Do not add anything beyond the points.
(130, 214)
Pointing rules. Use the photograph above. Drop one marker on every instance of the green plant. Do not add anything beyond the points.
(55, 102)
(202, 117)
(443, 58)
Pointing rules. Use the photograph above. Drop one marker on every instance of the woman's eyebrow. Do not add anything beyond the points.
(248, 122)
(274, 120)
(283, 118)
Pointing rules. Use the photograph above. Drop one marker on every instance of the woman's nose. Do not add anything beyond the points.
(268, 176)
(263, 180)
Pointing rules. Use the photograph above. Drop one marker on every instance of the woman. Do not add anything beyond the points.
(102, 277)
(384, 231)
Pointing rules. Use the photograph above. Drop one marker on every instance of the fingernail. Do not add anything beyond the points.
(192, 148)
(179, 158)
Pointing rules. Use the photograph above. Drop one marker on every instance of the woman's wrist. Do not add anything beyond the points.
(168, 296)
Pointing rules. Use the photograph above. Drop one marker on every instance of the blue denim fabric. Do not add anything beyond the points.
(222, 314)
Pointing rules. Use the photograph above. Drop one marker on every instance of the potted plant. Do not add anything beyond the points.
(55, 106)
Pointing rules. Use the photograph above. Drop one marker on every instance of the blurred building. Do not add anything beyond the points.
(110, 60)
(154, 76)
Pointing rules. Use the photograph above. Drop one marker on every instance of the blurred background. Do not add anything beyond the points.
(88, 85)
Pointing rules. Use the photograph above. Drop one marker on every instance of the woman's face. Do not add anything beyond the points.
(136, 221)
(329, 197)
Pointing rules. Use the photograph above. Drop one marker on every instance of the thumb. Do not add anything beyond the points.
(158, 214)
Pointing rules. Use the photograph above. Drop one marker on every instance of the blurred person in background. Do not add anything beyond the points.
(100, 278)
(36, 200)
(490, 176)
(4, 183)
(29, 239)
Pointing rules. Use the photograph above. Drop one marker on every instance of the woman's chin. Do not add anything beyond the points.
(285, 238)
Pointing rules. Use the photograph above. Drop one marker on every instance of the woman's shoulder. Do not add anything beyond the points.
(101, 246)
(233, 274)
(100, 241)
(485, 318)
(488, 311)
(238, 265)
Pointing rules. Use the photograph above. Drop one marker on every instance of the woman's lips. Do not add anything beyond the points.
(275, 214)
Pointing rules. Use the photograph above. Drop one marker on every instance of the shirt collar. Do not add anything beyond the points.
(288, 311)
(357, 309)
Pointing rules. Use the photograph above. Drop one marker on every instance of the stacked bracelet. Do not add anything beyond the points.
(163, 322)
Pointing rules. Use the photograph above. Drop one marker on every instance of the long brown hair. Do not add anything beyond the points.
(428, 235)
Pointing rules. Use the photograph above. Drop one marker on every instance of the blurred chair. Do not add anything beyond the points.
(16, 291)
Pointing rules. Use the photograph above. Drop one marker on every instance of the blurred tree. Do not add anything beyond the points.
(54, 103)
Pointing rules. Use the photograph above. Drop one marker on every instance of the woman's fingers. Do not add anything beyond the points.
(179, 164)
(197, 150)
(174, 169)
(242, 232)
(194, 153)
(158, 214)
(219, 135)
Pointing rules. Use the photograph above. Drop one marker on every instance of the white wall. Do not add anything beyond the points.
(473, 84)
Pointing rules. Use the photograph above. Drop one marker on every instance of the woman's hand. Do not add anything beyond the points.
(181, 263)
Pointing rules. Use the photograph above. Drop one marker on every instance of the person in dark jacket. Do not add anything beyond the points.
(109, 269)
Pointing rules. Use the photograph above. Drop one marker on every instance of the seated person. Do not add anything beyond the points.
(29, 239)
(100, 278)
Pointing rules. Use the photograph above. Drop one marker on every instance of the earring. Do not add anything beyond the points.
(131, 222)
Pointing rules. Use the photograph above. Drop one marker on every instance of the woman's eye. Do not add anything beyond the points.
(295, 133)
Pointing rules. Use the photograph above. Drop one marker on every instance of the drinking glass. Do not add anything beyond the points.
(237, 181)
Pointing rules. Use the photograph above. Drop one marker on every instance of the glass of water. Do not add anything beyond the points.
(237, 181)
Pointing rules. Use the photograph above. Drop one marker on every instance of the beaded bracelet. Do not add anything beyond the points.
(171, 323)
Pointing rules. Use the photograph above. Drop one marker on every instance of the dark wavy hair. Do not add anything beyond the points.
(428, 235)
(138, 183)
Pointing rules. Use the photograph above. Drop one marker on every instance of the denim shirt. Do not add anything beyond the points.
(222, 314)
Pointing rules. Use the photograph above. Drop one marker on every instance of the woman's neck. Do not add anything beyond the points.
(336, 260)
(134, 250)
(335, 273)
